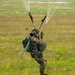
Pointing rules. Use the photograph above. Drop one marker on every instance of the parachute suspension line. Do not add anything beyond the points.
(49, 10)
(49, 14)
(27, 7)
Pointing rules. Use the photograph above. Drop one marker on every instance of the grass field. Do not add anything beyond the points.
(59, 35)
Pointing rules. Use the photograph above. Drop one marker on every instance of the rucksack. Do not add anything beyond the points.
(26, 44)
(42, 46)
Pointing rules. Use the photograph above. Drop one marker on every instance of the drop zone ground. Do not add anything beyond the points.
(59, 36)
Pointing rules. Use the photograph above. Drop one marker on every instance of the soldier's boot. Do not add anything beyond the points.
(42, 73)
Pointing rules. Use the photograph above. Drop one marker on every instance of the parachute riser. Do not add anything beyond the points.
(42, 21)
(30, 15)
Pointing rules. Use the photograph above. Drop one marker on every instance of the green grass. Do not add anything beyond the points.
(18, 8)
(60, 51)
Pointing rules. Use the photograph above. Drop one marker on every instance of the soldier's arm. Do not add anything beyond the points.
(36, 40)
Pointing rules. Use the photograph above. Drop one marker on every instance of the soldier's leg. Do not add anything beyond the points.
(42, 63)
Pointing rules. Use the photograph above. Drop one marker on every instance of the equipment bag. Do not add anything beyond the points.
(27, 44)
(42, 46)
(24, 42)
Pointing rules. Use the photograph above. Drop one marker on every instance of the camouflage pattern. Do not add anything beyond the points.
(37, 54)
(33, 42)
(42, 63)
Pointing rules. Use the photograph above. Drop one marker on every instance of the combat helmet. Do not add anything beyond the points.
(34, 31)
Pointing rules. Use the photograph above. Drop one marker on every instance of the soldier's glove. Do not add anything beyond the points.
(36, 40)
(41, 35)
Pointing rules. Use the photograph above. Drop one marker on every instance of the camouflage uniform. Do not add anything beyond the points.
(35, 52)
